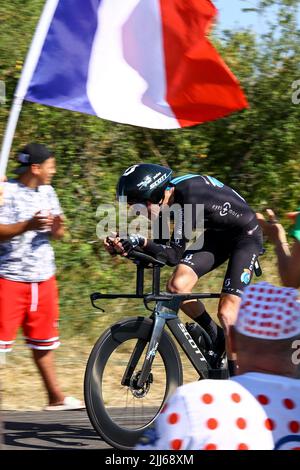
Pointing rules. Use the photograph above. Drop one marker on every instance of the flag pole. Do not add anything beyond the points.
(27, 72)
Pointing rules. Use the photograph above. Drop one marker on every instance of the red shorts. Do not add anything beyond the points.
(34, 306)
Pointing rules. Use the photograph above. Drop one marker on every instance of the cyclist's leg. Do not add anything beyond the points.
(183, 280)
(185, 277)
(240, 270)
(227, 310)
(246, 249)
(227, 313)
(199, 263)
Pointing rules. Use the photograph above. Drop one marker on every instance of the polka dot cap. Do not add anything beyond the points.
(269, 312)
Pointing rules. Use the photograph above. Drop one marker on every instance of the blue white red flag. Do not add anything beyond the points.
(142, 62)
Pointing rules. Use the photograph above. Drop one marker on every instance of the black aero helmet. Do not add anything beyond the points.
(144, 182)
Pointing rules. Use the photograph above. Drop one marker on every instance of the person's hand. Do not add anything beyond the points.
(58, 227)
(2, 179)
(271, 227)
(112, 245)
(109, 246)
(58, 222)
(133, 241)
(40, 221)
(292, 216)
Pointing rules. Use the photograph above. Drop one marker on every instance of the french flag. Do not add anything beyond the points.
(143, 62)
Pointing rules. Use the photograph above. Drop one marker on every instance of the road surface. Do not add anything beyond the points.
(42, 430)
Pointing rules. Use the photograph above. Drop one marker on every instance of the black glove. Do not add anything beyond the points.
(132, 242)
(111, 243)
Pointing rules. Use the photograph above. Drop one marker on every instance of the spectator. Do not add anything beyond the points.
(29, 215)
(2, 179)
(258, 409)
(288, 261)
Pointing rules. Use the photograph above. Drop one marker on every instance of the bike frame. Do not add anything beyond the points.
(164, 313)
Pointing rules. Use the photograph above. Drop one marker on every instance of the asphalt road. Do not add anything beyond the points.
(42, 430)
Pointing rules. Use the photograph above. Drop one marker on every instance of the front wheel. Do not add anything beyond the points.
(120, 413)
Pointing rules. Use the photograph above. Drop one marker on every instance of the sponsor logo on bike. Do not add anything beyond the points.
(191, 341)
(152, 351)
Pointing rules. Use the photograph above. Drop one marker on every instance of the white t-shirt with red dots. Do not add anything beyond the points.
(251, 412)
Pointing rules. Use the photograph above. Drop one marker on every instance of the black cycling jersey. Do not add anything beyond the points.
(231, 232)
(224, 210)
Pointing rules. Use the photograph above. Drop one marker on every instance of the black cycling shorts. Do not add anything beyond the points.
(241, 249)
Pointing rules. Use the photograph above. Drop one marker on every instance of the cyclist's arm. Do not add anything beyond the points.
(172, 252)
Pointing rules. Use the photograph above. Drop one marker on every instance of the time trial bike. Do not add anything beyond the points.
(135, 365)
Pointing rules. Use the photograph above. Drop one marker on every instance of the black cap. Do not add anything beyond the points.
(32, 154)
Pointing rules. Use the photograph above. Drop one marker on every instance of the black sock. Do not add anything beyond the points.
(231, 367)
(215, 332)
(208, 325)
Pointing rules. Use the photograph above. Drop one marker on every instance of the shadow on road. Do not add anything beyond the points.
(42, 430)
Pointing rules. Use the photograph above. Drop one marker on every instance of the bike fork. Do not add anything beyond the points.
(164, 310)
(159, 324)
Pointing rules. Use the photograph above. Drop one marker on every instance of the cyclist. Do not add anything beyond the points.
(231, 233)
